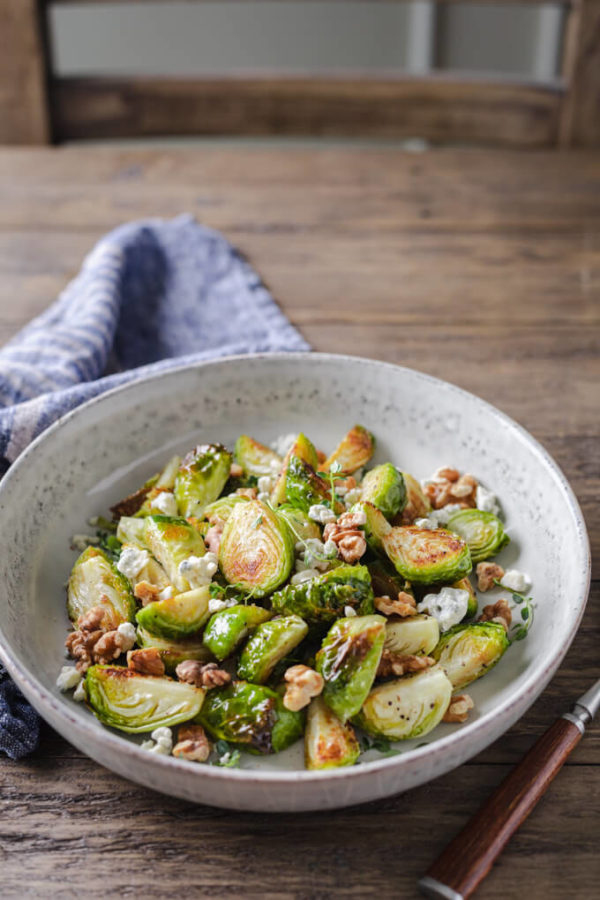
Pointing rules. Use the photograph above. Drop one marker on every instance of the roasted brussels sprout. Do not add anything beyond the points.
(328, 742)
(385, 579)
(177, 617)
(201, 477)
(412, 636)
(173, 541)
(300, 525)
(95, 581)
(130, 530)
(256, 459)
(384, 487)
(427, 556)
(228, 628)
(354, 451)
(304, 488)
(135, 703)
(348, 661)
(416, 504)
(252, 716)
(222, 507)
(269, 643)
(325, 598)
(164, 482)
(483, 532)
(466, 652)
(173, 652)
(376, 526)
(407, 707)
(257, 548)
(302, 449)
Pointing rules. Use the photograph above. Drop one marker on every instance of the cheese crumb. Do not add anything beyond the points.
(486, 501)
(449, 607)
(131, 561)
(516, 581)
(349, 611)
(165, 503)
(127, 632)
(321, 513)
(68, 678)
(199, 570)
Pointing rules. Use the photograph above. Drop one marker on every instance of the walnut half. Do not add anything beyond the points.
(192, 744)
(303, 684)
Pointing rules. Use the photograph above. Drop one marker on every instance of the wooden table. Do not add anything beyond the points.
(480, 267)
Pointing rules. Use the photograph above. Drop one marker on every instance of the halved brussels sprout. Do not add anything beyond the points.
(257, 548)
(466, 652)
(228, 628)
(256, 459)
(130, 530)
(300, 525)
(328, 742)
(304, 450)
(427, 556)
(173, 652)
(172, 541)
(222, 507)
(384, 487)
(324, 598)
(348, 661)
(376, 526)
(407, 707)
(412, 636)
(269, 643)
(304, 488)
(353, 452)
(416, 505)
(135, 703)
(164, 482)
(464, 584)
(95, 581)
(385, 579)
(483, 532)
(201, 477)
(252, 716)
(177, 617)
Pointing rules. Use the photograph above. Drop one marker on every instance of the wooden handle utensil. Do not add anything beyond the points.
(469, 857)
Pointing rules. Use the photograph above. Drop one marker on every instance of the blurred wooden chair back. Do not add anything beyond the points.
(36, 107)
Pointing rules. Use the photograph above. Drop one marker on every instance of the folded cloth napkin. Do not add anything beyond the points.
(150, 296)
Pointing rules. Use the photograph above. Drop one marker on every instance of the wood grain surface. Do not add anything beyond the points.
(480, 267)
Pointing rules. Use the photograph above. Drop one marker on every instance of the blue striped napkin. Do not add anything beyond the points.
(150, 296)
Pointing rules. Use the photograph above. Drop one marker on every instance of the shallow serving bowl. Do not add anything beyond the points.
(105, 449)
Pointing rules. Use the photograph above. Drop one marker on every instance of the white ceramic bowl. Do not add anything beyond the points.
(108, 447)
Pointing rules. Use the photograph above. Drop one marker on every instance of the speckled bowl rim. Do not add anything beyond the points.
(529, 691)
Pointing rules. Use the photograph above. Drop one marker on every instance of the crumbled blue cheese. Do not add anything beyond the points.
(165, 503)
(353, 496)
(282, 444)
(449, 607)
(516, 581)
(199, 570)
(82, 541)
(330, 549)
(131, 561)
(216, 605)
(166, 593)
(486, 501)
(304, 575)
(68, 678)
(266, 483)
(349, 611)
(161, 743)
(79, 694)
(438, 517)
(128, 635)
(321, 513)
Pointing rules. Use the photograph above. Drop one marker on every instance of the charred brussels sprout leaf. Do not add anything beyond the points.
(328, 742)
(251, 716)
(304, 488)
(222, 507)
(483, 532)
(466, 652)
(384, 487)
(177, 617)
(254, 458)
(135, 703)
(201, 478)
(299, 524)
(427, 556)
(324, 598)
(386, 580)
(95, 581)
(412, 636)
(348, 662)
(269, 643)
(376, 526)
(131, 504)
(353, 452)
(303, 450)
(172, 541)
(416, 504)
(257, 549)
(228, 628)
(173, 652)
(407, 707)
